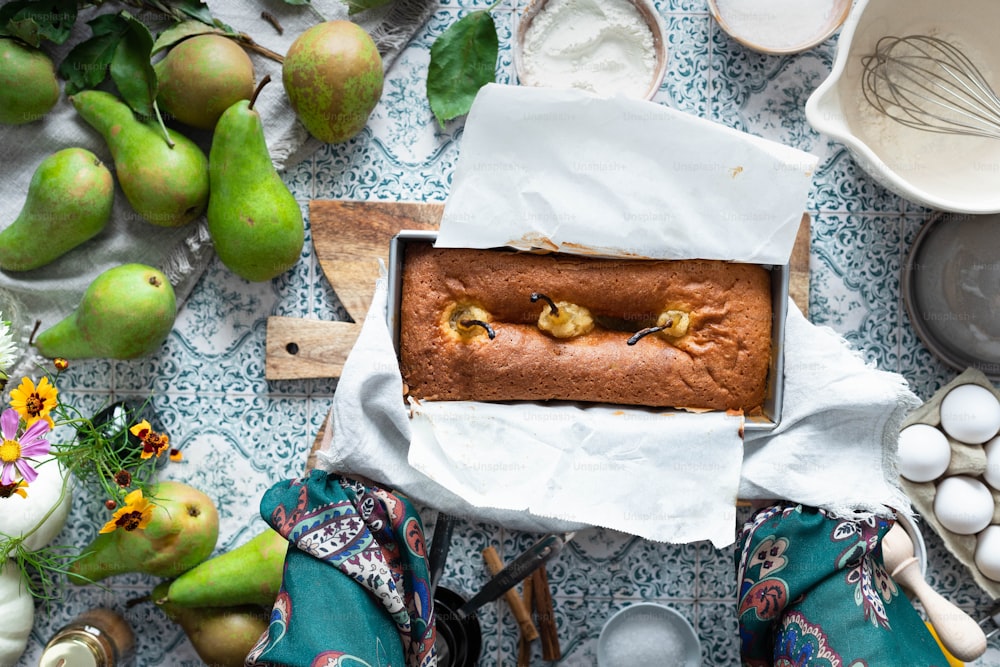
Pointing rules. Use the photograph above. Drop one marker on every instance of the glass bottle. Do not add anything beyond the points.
(96, 638)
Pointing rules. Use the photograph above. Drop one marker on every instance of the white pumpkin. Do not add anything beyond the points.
(19, 515)
(18, 613)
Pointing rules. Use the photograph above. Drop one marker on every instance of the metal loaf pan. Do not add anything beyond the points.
(779, 308)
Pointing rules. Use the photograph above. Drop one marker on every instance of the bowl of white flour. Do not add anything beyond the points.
(607, 47)
(779, 27)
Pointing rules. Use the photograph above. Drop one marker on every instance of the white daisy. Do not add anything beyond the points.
(8, 348)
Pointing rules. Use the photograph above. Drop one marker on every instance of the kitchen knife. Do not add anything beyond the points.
(537, 554)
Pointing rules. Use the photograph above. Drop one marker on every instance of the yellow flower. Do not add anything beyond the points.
(34, 402)
(135, 515)
(153, 443)
(20, 487)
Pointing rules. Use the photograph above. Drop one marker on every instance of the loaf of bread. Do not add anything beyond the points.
(498, 325)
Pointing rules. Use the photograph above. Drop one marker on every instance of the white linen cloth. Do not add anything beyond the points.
(50, 293)
(672, 478)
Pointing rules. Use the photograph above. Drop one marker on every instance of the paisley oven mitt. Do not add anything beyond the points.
(814, 591)
(355, 582)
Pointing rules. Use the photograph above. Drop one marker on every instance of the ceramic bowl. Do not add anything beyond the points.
(647, 634)
(774, 28)
(645, 8)
(945, 172)
(919, 546)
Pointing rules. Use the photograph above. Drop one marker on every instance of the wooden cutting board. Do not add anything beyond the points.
(349, 237)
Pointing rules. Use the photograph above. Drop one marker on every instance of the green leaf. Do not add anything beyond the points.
(195, 9)
(354, 6)
(131, 69)
(86, 65)
(463, 60)
(33, 21)
(181, 31)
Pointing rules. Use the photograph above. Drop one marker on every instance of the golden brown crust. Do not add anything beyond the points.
(720, 363)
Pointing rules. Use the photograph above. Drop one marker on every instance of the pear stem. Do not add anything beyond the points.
(639, 335)
(535, 296)
(248, 43)
(256, 92)
(139, 600)
(34, 330)
(159, 119)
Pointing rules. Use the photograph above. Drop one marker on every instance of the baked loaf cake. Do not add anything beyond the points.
(497, 325)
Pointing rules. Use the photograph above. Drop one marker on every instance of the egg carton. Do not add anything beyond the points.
(965, 459)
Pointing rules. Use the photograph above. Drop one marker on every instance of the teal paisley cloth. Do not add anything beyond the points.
(355, 588)
(814, 592)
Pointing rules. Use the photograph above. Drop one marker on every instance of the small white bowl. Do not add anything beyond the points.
(647, 634)
(919, 546)
(945, 172)
(645, 8)
(767, 26)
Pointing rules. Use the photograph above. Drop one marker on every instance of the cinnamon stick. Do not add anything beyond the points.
(524, 644)
(545, 614)
(528, 629)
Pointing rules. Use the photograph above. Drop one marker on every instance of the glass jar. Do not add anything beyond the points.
(96, 638)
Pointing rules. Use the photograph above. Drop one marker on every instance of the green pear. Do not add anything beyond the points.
(28, 84)
(126, 312)
(201, 77)
(69, 202)
(182, 532)
(254, 221)
(332, 75)
(221, 636)
(165, 182)
(249, 574)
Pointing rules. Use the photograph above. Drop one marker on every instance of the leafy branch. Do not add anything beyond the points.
(120, 45)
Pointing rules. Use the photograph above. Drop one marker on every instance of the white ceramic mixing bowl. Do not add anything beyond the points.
(946, 172)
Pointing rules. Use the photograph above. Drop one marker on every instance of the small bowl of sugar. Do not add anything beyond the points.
(607, 47)
(648, 634)
(779, 27)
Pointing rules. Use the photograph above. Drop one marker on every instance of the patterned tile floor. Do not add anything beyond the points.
(240, 433)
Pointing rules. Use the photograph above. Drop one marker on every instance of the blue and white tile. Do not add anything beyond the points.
(716, 573)
(685, 85)
(841, 185)
(855, 274)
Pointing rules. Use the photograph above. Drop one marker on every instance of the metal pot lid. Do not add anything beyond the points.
(951, 290)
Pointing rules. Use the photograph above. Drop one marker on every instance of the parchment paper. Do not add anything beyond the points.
(668, 478)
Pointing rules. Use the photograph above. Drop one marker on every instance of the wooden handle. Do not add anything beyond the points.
(298, 348)
(528, 629)
(958, 632)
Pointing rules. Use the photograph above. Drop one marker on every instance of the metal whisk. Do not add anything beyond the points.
(928, 84)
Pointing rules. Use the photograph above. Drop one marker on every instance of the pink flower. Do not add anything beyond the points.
(15, 451)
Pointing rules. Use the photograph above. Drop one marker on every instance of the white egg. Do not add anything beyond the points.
(992, 472)
(923, 453)
(963, 504)
(970, 414)
(988, 552)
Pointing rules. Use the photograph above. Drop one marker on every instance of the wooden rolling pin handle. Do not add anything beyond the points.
(959, 632)
(521, 614)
